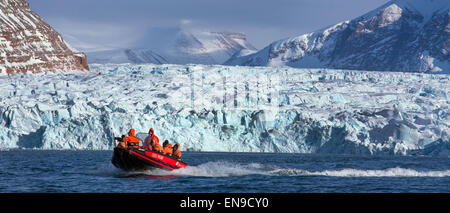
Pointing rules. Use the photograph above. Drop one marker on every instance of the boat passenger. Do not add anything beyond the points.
(148, 142)
(131, 140)
(155, 141)
(122, 143)
(167, 148)
(176, 151)
(156, 146)
(151, 132)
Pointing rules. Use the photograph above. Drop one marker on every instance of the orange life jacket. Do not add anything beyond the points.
(176, 152)
(122, 144)
(168, 149)
(157, 147)
(155, 138)
(132, 142)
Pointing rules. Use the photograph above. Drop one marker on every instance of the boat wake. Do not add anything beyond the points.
(231, 169)
(215, 169)
(390, 172)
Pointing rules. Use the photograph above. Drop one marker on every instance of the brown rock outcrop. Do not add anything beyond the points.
(29, 45)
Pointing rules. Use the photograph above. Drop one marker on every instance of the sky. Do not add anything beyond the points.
(90, 25)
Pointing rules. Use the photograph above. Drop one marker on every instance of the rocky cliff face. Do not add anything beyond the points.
(402, 35)
(29, 45)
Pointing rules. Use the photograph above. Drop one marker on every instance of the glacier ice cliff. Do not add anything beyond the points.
(231, 109)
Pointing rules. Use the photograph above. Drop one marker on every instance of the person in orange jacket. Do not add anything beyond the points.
(155, 141)
(131, 140)
(151, 132)
(176, 151)
(167, 147)
(150, 140)
(156, 146)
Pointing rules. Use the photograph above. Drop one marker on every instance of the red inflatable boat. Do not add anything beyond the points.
(134, 159)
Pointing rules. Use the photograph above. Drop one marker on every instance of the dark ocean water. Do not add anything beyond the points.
(92, 171)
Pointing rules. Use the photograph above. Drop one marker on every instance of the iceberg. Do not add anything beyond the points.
(230, 109)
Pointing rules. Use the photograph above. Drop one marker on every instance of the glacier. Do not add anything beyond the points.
(230, 109)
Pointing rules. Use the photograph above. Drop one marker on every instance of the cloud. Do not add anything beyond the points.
(109, 24)
(185, 21)
(96, 36)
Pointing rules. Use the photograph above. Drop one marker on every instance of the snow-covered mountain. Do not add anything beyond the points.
(178, 47)
(29, 45)
(136, 56)
(226, 108)
(402, 35)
